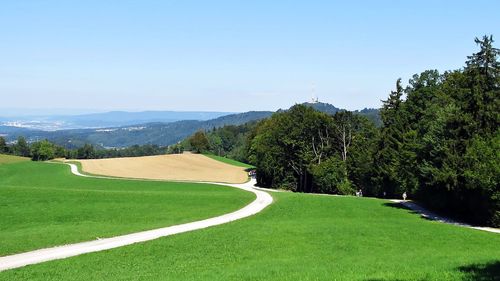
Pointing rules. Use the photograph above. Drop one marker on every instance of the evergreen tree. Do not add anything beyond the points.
(441, 143)
(387, 157)
(483, 83)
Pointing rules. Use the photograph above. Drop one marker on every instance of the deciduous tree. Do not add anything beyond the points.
(199, 142)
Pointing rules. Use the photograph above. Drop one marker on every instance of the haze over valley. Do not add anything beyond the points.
(122, 129)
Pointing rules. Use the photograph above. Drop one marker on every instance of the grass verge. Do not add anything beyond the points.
(230, 161)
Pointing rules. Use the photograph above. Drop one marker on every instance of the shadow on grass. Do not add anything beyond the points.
(383, 280)
(424, 214)
(481, 272)
(397, 206)
(403, 207)
(473, 272)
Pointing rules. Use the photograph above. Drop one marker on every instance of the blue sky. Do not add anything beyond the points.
(227, 55)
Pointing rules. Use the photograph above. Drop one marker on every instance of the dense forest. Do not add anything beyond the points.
(233, 141)
(439, 142)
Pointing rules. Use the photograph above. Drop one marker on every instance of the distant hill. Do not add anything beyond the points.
(167, 133)
(10, 129)
(370, 113)
(323, 107)
(11, 133)
(159, 133)
(124, 118)
(102, 120)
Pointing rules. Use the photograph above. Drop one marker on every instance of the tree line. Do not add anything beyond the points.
(439, 143)
(230, 141)
(46, 150)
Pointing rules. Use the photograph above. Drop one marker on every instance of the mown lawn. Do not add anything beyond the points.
(229, 161)
(43, 204)
(299, 237)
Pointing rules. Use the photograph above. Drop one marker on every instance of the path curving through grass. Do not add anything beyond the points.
(262, 200)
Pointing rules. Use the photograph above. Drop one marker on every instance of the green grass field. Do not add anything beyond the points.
(9, 159)
(43, 204)
(299, 237)
(230, 161)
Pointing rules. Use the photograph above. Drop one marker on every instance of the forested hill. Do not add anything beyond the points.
(159, 133)
(150, 133)
(124, 118)
(370, 113)
(53, 122)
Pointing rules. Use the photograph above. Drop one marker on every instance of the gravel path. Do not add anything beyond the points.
(432, 216)
(38, 256)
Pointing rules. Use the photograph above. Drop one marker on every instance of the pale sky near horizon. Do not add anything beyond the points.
(227, 55)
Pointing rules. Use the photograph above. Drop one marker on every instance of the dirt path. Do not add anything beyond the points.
(432, 216)
(38, 256)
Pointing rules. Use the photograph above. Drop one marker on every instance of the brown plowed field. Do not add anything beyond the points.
(180, 167)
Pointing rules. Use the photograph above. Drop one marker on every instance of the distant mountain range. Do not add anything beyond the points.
(150, 132)
(103, 120)
(160, 133)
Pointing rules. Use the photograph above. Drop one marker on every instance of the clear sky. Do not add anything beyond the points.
(227, 55)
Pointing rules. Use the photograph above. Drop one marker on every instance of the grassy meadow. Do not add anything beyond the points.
(229, 161)
(9, 159)
(299, 237)
(43, 204)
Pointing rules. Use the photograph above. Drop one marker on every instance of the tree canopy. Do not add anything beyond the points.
(439, 143)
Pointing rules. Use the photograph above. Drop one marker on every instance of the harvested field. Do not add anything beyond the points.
(179, 167)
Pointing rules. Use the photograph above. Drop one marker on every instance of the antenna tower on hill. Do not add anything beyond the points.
(314, 98)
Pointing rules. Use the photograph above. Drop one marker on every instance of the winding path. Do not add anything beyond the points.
(60, 252)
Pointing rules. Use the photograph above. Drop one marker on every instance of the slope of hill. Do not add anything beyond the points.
(105, 119)
(12, 130)
(8, 159)
(372, 114)
(44, 205)
(159, 133)
(323, 107)
(123, 118)
(298, 237)
(150, 133)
